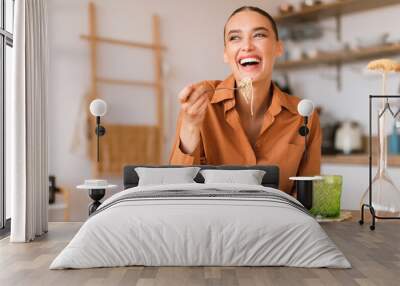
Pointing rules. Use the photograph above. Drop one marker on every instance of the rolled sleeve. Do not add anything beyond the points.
(178, 157)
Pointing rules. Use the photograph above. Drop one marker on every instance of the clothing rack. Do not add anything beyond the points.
(369, 205)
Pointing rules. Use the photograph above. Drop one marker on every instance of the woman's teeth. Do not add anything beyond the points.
(249, 61)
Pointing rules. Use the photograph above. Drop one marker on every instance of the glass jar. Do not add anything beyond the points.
(326, 196)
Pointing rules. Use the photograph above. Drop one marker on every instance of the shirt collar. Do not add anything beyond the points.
(279, 98)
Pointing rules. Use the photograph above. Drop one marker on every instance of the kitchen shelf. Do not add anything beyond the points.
(333, 9)
(358, 159)
(341, 57)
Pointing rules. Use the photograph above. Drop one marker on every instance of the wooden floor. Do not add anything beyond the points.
(374, 255)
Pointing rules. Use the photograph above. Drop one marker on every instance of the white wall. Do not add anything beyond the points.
(192, 33)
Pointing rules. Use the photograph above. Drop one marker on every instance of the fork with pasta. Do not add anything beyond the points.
(245, 87)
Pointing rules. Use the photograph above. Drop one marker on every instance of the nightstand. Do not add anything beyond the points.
(96, 193)
(304, 189)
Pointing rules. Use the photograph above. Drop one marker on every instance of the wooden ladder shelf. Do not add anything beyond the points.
(157, 48)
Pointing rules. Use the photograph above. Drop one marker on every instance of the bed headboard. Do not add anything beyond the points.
(270, 179)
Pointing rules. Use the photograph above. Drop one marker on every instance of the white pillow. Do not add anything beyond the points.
(248, 177)
(163, 176)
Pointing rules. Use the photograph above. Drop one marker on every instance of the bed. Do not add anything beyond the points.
(201, 224)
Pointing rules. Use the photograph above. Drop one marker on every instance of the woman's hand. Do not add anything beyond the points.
(194, 101)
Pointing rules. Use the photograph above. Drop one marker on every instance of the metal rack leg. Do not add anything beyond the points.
(372, 210)
(373, 216)
(361, 221)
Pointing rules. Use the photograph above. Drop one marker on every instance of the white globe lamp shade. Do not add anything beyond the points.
(98, 107)
(305, 107)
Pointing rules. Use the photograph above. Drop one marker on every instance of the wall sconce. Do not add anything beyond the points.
(98, 108)
(305, 109)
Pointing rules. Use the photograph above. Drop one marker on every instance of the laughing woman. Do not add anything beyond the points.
(221, 123)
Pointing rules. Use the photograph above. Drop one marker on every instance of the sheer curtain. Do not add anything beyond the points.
(27, 123)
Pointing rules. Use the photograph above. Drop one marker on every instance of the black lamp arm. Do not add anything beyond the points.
(100, 131)
(303, 131)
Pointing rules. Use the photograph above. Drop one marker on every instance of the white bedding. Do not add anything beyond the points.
(183, 231)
